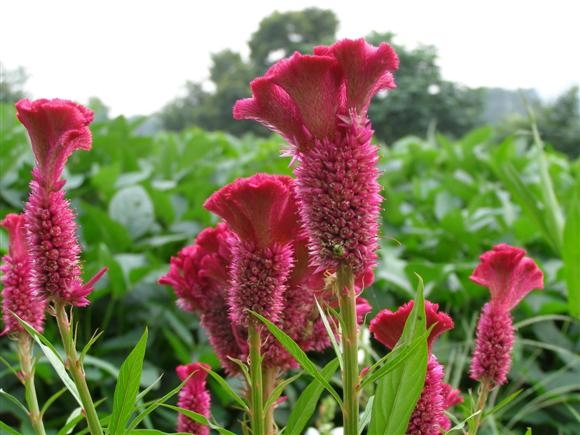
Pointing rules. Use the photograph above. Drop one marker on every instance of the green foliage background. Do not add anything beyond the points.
(139, 200)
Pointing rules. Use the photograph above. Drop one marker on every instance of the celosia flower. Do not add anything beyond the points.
(56, 128)
(261, 211)
(194, 396)
(319, 103)
(510, 276)
(428, 417)
(199, 276)
(18, 297)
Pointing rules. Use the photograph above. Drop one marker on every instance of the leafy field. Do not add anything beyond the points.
(139, 200)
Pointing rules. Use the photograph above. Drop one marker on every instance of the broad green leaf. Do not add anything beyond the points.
(133, 208)
(306, 403)
(8, 429)
(53, 358)
(127, 387)
(397, 392)
(571, 252)
(292, 347)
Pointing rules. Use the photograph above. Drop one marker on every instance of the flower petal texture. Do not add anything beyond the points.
(508, 274)
(56, 128)
(17, 296)
(194, 396)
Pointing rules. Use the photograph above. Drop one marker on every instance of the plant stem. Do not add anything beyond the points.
(27, 370)
(73, 364)
(483, 393)
(347, 304)
(269, 383)
(256, 384)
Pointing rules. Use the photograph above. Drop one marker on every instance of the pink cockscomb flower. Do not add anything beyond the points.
(18, 297)
(261, 210)
(428, 417)
(510, 276)
(199, 276)
(194, 396)
(319, 103)
(56, 128)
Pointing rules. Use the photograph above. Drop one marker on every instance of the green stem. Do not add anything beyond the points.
(27, 369)
(482, 395)
(269, 383)
(256, 384)
(347, 304)
(73, 364)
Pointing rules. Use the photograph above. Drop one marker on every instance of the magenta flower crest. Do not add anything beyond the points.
(18, 297)
(319, 103)
(261, 211)
(194, 396)
(428, 417)
(56, 129)
(510, 276)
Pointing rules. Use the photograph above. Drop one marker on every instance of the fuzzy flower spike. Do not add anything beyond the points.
(56, 128)
(510, 276)
(319, 103)
(428, 417)
(18, 297)
(194, 396)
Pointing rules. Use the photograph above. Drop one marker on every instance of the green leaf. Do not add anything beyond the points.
(127, 387)
(133, 208)
(277, 392)
(330, 333)
(8, 429)
(571, 252)
(306, 403)
(53, 358)
(397, 392)
(225, 387)
(14, 400)
(366, 415)
(198, 418)
(73, 419)
(292, 347)
(51, 400)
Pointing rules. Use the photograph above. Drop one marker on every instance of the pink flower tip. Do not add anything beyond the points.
(387, 326)
(508, 274)
(260, 209)
(56, 129)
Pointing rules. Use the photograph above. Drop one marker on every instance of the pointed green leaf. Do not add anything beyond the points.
(127, 387)
(571, 251)
(228, 390)
(397, 392)
(306, 403)
(8, 429)
(198, 418)
(292, 347)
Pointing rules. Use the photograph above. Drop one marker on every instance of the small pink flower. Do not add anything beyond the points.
(194, 396)
(319, 103)
(510, 276)
(56, 128)
(428, 417)
(18, 297)
(261, 210)
(199, 276)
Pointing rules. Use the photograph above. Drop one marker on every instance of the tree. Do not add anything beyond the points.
(422, 97)
(559, 122)
(12, 84)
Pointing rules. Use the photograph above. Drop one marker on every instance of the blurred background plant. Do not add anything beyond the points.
(453, 189)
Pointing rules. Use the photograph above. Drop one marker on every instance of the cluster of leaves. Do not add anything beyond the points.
(139, 201)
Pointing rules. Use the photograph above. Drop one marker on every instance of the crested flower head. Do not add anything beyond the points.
(18, 297)
(199, 272)
(387, 326)
(262, 211)
(319, 103)
(56, 129)
(199, 276)
(508, 274)
(194, 396)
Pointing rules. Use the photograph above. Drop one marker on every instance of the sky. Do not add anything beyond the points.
(137, 55)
